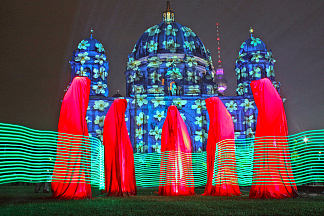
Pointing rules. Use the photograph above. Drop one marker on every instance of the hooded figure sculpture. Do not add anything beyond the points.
(119, 158)
(71, 175)
(176, 176)
(221, 174)
(272, 175)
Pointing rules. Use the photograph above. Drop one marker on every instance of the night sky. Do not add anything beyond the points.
(38, 38)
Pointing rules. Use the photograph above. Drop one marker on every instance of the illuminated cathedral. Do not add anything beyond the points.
(170, 65)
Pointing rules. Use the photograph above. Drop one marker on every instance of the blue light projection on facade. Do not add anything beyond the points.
(169, 65)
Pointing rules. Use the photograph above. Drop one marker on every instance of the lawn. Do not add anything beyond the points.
(21, 200)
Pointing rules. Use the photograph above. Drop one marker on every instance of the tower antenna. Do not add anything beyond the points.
(221, 82)
(219, 62)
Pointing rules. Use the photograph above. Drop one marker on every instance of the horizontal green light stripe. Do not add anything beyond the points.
(22, 150)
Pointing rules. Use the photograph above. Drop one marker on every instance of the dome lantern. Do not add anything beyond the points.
(168, 14)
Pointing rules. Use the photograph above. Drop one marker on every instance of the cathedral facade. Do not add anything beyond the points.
(169, 65)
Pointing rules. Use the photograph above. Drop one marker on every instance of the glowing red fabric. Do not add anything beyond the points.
(221, 132)
(272, 175)
(70, 178)
(176, 176)
(119, 158)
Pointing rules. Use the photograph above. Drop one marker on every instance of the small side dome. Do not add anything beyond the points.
(253, 44)
(89, 59)
(253, 62)
(91, 44)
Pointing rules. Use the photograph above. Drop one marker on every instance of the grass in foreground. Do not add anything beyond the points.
(21, 200)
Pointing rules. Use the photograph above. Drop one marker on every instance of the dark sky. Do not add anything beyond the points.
(38, 37)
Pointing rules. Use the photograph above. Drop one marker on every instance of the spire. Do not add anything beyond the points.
(91, 33)
(168, 14)
(251, 31)
(219, 62)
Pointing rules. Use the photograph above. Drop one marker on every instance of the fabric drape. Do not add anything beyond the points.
(119, 157)
(71, 175)
(221, 175)
(176, 176)
(272, 174)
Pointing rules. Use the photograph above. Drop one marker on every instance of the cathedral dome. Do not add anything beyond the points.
(89, 59)
(169, 37)
(169, 59)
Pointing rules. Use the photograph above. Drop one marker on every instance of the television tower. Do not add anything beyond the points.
(221, 82)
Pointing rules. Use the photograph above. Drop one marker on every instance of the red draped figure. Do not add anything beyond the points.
(71, 175)
(272, 175)
(176, 176)
(221, 178)
(119, 158)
